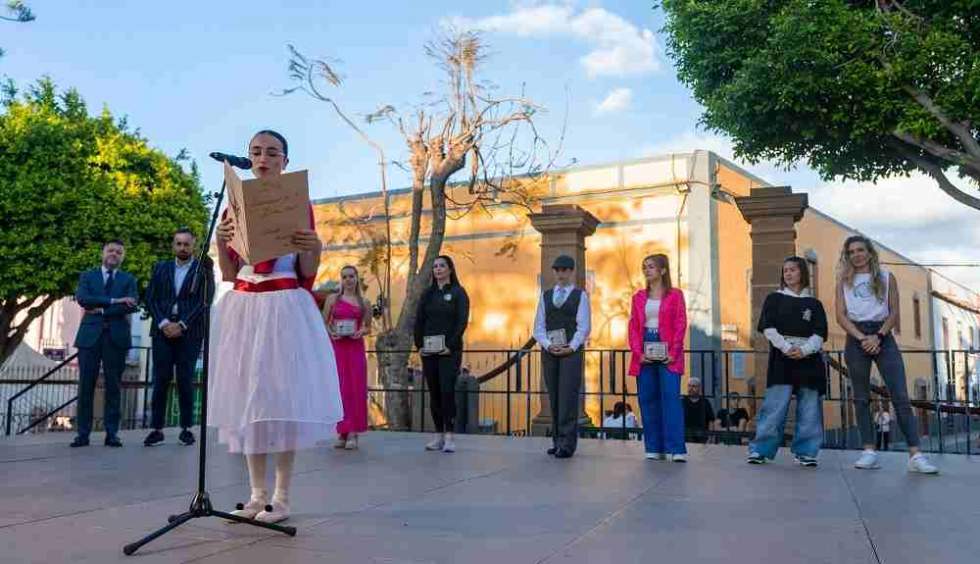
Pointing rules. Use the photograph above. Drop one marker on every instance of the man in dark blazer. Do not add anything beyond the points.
(178, 308)
(108, 296)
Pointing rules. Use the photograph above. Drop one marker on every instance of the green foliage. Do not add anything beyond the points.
(70, 181)
(833, 82)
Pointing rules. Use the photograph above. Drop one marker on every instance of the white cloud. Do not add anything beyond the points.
(618, 47)
(911, 215)
(616, 101)
(910, 202)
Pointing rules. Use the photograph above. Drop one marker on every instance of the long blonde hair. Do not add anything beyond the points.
(358, 291)
(845, 270)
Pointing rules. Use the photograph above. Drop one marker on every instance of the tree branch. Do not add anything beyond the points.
(937, 173)
(960, 130)
(14, 335)
(943, 152)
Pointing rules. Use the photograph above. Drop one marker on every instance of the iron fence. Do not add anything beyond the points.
(943, 385)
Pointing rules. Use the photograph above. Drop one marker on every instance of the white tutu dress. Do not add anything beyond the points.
(273, 383)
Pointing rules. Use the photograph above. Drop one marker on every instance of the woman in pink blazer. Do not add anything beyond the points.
(659, 316)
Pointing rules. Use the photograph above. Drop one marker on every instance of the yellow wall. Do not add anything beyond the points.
(642, 207)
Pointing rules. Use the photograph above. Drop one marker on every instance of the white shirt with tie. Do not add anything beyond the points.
(583, 318)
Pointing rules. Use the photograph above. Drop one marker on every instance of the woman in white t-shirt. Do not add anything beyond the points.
(867, 309)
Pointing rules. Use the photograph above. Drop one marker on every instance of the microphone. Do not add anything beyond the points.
(237, 162)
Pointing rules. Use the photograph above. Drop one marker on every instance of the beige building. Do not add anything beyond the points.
(682, 205)
(679, 204)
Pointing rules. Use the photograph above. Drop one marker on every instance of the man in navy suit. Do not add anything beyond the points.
(108, 296)
(178, 307)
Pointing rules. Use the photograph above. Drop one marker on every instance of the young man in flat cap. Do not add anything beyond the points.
(561, 326)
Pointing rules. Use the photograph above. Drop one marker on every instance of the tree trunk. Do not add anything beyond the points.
(394, 350)
(398, 344)
(11, 336)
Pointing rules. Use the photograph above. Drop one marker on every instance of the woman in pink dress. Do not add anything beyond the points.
(348, 318)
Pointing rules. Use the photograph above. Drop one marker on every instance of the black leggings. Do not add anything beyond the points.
(440, 374)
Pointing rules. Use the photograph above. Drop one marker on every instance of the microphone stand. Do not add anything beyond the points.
(201, 503)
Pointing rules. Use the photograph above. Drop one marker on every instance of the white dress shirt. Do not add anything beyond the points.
(180, 273)
(583, 318)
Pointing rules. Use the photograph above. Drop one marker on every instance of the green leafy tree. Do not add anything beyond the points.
(70, 181)
(19, 12)
(857, 89)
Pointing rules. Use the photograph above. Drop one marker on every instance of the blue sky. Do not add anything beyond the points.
(202, 76)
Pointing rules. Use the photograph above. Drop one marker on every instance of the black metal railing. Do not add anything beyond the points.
(502, 393)
(49, 399)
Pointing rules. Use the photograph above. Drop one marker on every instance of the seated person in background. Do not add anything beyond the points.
(699, 416)
(620, 416)
(620, 412)
(734, 418)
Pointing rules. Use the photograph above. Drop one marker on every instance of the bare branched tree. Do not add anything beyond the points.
(494, 139)
(19, 13)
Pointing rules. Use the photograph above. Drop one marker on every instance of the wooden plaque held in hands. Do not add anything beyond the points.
(345, 327)
(656, 350)
(432, 344)
(557, 337)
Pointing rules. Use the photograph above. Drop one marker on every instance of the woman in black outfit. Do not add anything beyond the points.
(444, 309)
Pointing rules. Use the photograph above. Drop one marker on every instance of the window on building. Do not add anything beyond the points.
(917, 316)
(945, 334)
(811, 261)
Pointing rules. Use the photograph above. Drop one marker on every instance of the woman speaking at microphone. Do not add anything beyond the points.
(273, 382)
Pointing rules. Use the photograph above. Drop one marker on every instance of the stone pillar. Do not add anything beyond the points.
(772, 213)
(563, 229)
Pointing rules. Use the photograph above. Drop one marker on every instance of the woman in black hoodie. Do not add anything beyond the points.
(443, 312)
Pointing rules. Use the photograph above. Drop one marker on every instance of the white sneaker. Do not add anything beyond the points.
(678, 458)
(255, 505)
(436, 443)
(654, 456)
(279, 512)
(919, 463)
(868, 460)
(448, 446)
(351, 442)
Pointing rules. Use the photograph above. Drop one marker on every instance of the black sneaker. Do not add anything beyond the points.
(186, 437)
(79, 442)
(755, 458)
(806, 461)
(154, 438)
(552, 451)
(112, 441)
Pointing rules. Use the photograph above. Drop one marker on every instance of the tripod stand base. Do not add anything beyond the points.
(201, 507)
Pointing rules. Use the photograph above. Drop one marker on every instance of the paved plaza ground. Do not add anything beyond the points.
(497, 500)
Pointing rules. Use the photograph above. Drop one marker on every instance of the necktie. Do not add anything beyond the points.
(560, 296)
(108, 281)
